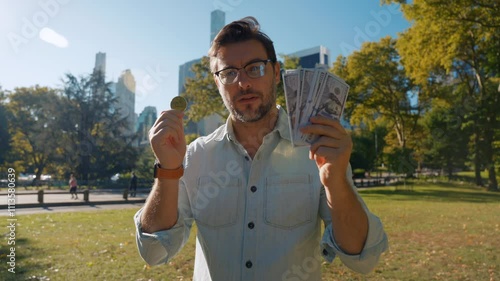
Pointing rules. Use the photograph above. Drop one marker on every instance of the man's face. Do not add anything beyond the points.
(247, 99)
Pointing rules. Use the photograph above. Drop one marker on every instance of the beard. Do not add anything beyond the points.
(248, 114)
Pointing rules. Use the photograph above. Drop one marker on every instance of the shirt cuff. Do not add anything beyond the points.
(364, 262)
(159, 247)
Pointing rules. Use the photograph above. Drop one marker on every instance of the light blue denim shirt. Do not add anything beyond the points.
(257, 219)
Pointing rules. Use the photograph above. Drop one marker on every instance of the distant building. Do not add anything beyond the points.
(145, 121)
(313, 57)
(100, 63)
(185, 72)
(209, 123)
(125, 93)
(217, 22)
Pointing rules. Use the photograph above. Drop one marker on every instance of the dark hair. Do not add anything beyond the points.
(245, 29)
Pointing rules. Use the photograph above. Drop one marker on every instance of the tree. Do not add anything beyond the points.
(31, 124)
(379, 94)
(92, 131)
(367, 147)
(460, 38)
(202, 93)
(5, 137)
(447, 138)
(144, 164)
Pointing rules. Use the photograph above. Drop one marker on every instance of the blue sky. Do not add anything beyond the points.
(40, 40)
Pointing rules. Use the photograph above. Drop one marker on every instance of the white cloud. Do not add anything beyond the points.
(50, 36)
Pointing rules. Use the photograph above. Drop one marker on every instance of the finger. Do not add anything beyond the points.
(163, 131)
(322, 120)
(166, 133)
(323, 130)
(174, 121)
(170, 112)
(324, 142)
(170, 122)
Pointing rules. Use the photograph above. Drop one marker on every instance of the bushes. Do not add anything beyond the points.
(358, 173)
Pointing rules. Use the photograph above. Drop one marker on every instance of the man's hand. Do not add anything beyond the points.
(332, 150)
(331, 153)
(167, 139)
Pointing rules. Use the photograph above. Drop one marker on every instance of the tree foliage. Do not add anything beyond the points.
(379, 90)
(460, 39)
(93, 138)
(5, 137)
(76, 129)
(202, 93)
(446, 142)
(32, 120)
(144, 164)
(367, 147)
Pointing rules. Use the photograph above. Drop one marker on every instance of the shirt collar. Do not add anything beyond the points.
(282, 127)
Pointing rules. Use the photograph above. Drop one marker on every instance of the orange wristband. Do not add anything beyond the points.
(172, 174)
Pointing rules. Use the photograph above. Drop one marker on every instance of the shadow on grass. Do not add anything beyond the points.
(442, 192)
(23, 253)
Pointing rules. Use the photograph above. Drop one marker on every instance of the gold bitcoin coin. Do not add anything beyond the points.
(178, 103)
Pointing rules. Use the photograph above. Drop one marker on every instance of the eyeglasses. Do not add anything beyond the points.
(254, 69)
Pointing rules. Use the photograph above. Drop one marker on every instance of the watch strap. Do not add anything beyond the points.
(172, 174)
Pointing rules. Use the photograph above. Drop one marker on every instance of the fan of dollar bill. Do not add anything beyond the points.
(310, 92)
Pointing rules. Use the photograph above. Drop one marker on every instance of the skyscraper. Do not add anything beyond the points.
(186, 72)
(100, 63)
(145, 121)
(209, 123)
(217, 21)
(125, 93)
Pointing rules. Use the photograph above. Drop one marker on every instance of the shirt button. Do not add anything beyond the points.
(247, 158)
(253, 188)
(251, 225)
(325, 252)
(248, 264)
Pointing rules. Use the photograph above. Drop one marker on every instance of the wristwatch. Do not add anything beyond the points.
(171, 174)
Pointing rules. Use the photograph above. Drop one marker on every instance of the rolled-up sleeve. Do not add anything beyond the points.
(159, 247)
(376, 243)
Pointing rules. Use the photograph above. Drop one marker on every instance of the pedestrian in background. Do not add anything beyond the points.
(72, 187)
(133, 185)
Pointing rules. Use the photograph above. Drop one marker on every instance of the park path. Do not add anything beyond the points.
(57, 201)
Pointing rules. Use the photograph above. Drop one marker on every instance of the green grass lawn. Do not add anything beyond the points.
(436, 232)
(471, 175)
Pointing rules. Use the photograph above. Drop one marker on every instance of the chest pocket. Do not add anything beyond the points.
(216, 202)
(288, 201)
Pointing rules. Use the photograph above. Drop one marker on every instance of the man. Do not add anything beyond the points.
(133, 185)
(257, 201)
(73, 186)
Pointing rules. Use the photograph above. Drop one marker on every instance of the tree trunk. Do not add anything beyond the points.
(493, 184)
(477, 158)
(38, 173)
(449, 170)
(490, 163)
(488, 135)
